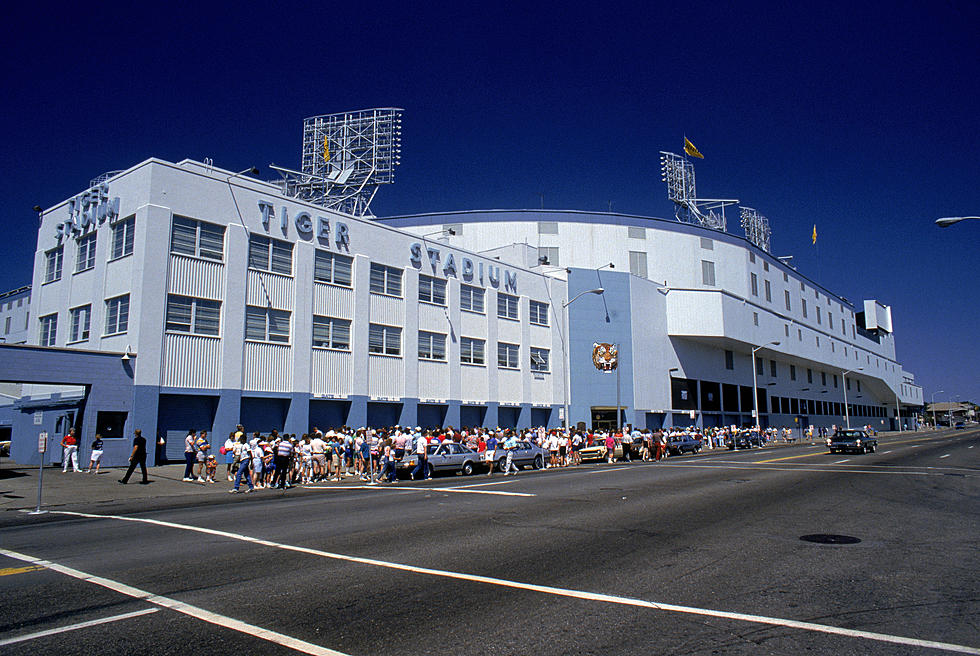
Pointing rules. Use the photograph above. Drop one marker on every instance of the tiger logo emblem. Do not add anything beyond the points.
(605, 356)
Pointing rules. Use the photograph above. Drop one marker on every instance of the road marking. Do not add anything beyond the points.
(603, 471)
(945, 456)
(462, 487)
(915, 446)
(419, 489)
(7, 571)
(970, 447)
(180, 607)
(749, 466)
(839, 462)
(802, 455)
(75, 627)
(884, 452)
(544, 589)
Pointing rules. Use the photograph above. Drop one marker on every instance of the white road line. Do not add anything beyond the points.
(461, 487)
(884, 452)
(75, 627)
(544, 589)
(945, 456)
(603, 471)
(914, 446)
(418, 489)
(181, 607)
(970, 447)
(794, 468)
(840, 462)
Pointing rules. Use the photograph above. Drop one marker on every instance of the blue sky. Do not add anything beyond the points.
(861, 120)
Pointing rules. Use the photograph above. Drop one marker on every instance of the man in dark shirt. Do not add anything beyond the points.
(138, 457)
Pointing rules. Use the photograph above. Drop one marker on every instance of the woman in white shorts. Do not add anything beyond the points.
(95, 462)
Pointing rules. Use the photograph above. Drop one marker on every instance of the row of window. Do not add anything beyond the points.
(804, 308)
(122, 237)
(116, 321)
(811, 407)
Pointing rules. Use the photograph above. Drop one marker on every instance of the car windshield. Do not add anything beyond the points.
(849, 433)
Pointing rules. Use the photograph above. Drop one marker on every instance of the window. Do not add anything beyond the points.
(197, 238)
(786, 329)
(117, 315)
(835, 380)
(638, 263)
(81, 319)
(329, 332)
(86, 253)
(755, 284)
(386, 280)
(768, 292)
(730, 360)
(471, 299)
(707, 244)
(708, 273)
(384, 340)
(847, 383)
(539, 313)
(823, 378)
(858, 384)
(471, 351)
(193, 315)
(789, 306)
(799, 334)
(266, 325)
(432, 290)
(785, 277)
(122, 237)
(53, 260)
(792, 372)
(752, 257)
(830, 320)
(765, 266)
(760, 368)
(507, 306)
(809, 376)
(548, 255)
(49, 330)
(636, 232)
(772, 368)
(818, 340)
(432, 346)
(540, 359)
(818, 314)
(547, 227)
(332, 269)
(273, 255)
(802, 288)
(803, 307)
(6, 325)
(755, 318)
(507, 355)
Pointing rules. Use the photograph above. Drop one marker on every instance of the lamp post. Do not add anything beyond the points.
(564, 350)
(934, 424)
(847, 415)
(755, 389)
(947, 221)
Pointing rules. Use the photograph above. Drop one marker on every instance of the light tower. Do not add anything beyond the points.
(678, 172)
(756, 227)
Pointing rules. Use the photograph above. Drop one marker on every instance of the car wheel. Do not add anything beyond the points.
(467, 469)
(873, 448)
(697, 450)
(538, 462)
(501, 464)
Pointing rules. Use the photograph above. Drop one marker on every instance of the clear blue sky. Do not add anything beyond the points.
(861, 120)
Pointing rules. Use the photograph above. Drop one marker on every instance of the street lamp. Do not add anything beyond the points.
(934, 424)
(564, 349)
(847, 415)
(945, 222)
(755, 389)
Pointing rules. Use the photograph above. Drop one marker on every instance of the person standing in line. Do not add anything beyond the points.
(244, 465)
(491, 453)
(138, 457)
(422, 453)
(283, 451)
(189, 454)
(229, 453)
(70, 454)
(202, 448)
(95, 461)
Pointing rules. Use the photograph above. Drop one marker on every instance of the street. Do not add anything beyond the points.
(698, 554)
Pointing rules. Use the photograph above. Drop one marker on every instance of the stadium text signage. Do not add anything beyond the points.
(88, 210)
(466, 269)
(306, 226)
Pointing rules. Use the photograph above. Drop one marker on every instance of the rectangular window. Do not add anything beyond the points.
(548, 255)
(818, 314)
(809, 376)
(53, 261)
(386, 280)
(122, 237)
(507, 355)
(384, 340)
(507, 306)
(772, 368)
(818, 340)
(638, 263)
(768, 292)
(835, 380)
(266, 324)
(803, 306)
(540, 359)
(752, 257)
(799, 334)
(86, 253)
(117, 315)
(432, 290)
(330, 332)
(81, 319)
(707, 244)
(792, 372)
(765, 265)
(636, 232)
(472, 351)
(755, 284)
(49, 330)
(6, 325)
(755, 318)
(197, 238)
(789, 305)
(730, 360)
(830, 320)
(760, 367)
(432, 346)
(471, 299)
(547, 227)
(539, 313)
(197, 316)
(785, 277)
(332, 269)
(708, 273)
(273, 255)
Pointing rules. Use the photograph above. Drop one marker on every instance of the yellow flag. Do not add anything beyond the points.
(326, 150)
(691, 150)
(814, 234)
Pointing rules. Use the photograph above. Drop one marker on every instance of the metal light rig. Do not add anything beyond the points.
(756, 227)
(346, 157)
(678, 172)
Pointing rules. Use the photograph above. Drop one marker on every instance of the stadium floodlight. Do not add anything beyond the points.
(756, 228)
(678, 172)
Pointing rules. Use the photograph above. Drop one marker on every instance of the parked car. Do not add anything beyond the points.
(445, 457)
(679, 444)
(527, 454)
(851, 439)
(959, 425)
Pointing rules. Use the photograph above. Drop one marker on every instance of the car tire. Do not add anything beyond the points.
(872, 448)
(467, 468)
(501, 464)
(538, 462)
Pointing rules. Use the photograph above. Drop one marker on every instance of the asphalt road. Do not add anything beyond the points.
(695, 555)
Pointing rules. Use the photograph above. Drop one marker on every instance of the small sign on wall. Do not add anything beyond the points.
(38, 417)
